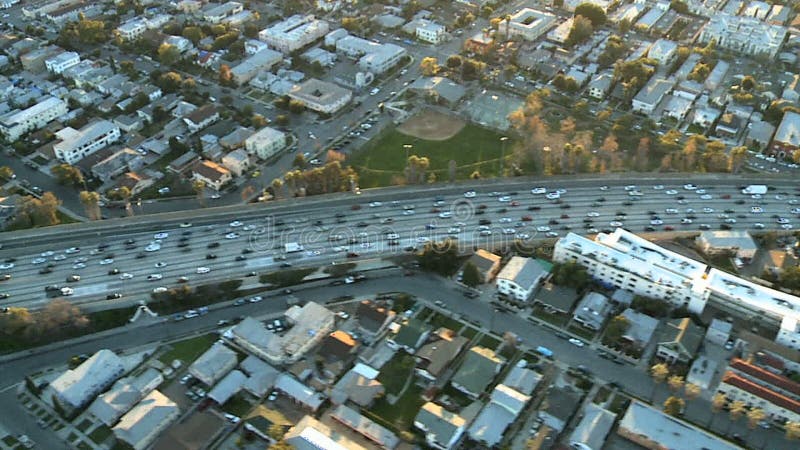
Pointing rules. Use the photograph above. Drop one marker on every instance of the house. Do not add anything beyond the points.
(212, 365)
(236, 161)
(61, 62)
(479, 43)
(776, 394)
(729, 125)
(592, 431)
(522, 379)
(663, 51)
(505, 405)
(443, 429)
(119, 162)
(125, 393)
(479, 368)
(430, 32)
(787, 137)
(128, 123)
(264, 60)
(759, 134)
(555, 298)
(142, 425)
(718, 332)
(435, 356)
(488, 264)
(311, 434)
(201, 118)
(379, 435)
(359, 385)
(299, 392)
(677, 107)
(640, 328)
(216, 13)
(132, 29)
(75, 388)
(652, 428)
(180, 43)
(134, 182)
(18, 122)
(592, 310)
(373, 318)
(438, 89)
(261, 376)
(520, 277)
(702, 373)
(227, 387)
(410, 336)
(265, 143)
(648, 98)
(558, 407)
(600, 85)
(212, 174)
(321, 96)
(294, 33)
(183, 162)
(337, 346)
(740, 243)
(680, 341)
(705, 115)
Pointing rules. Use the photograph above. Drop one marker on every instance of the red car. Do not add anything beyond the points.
(527, 218)
(514, 203)
(668, 228)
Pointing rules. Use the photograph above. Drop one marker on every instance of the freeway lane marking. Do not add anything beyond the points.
(91, 289)
(259, 262)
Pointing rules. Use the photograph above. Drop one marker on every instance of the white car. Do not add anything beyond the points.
(656, 222)
(686, 221)
(592, 214)
(485, 233)
(543, 228)
(231, 235)
(375, 204)
(505, 220)
(671, 211)
(630, 187)
(451, 230)
(509, 231)
(706, 197)
(756, 209)
(786, 226)
(708, 210)
(423, 240)
(408, 212)
(47, 254)
(469, 194)
(730, 220)
(758, 226)
(538, 191)
(203, 270)
(185, 225)
(154, 277)
(576, 342)
(700, 191)
(523, 236)
(106, 261)
(159, 290)
(126, 276)
(153, 247)
(689, 187)
(445, 215)
(38, 261)
(235, 224)
(658, 187)
(67, 291)
(255, 299)
(7, 266)
(553, 196)
(671, 192)
(782, 220)
(160, 264)
(59, 257)
(72, 250)
(615, 224)
(504, 199)
(79, 265)
(160, 235)
(551, 234)
(604, 188)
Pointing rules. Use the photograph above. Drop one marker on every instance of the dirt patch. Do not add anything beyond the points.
(432, 126)
(195, 432)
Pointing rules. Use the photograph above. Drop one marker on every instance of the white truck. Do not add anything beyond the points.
(292, 247)
(760, 189)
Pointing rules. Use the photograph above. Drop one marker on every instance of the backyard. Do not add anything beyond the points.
(381, 162)
(396, 372)
(189, 349)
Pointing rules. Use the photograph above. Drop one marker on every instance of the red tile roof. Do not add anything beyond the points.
(765, 375)
(762, 392)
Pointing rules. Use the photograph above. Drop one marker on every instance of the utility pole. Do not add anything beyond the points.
(502, 153)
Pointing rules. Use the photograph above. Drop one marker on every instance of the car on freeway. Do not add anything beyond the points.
(576, 342)
(35, 261)
(202, 270)
(159, 290)
(66, 291)
(538, 191)
(553, 195)
(106, 261)
(153, 247)
(154, 277)
(255, 299)
(72, 250)
(73, 278)
(235, 224)
(114, 296)
(161, 235)
(185, 224)
(7, 265)
(231, 235)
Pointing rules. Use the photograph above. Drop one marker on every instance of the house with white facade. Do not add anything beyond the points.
(443, 429)
(18, 122)
(142, 425)
(216, 13)
(520, 277)
(265, 143)
(132, 29)
(75, 144)
(321, 96)
(430, 32)
(76, 387)
(250, 67)
(62, 62)
(294, 33)
(648, 98)
(663, 51)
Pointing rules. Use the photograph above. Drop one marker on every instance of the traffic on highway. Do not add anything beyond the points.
(109, 272)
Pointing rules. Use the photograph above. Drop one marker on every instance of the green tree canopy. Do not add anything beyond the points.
(67, 174)
(440, 257)
(592, 12)
(471, 276)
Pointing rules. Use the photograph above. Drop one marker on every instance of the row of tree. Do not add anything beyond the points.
(58, 318)
(332, 177)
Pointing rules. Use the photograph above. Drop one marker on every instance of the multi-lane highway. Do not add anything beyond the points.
(241, 241)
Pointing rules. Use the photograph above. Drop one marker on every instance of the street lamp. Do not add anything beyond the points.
(407, 147)
(502, 152)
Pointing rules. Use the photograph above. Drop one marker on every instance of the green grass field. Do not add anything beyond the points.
(381, 162)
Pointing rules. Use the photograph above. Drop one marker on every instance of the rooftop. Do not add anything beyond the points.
(480, 366)
(437, 355)
(100, 370)
(150, 414)
(755, 372)
(789, 130)
(232, 383)
(299, 391)
(760, 391)
(354, 420)
(729, 239)
(594, 427)
(310, 434)
(525, 272)
(213, 364)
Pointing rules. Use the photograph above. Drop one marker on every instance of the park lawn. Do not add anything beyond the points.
(381, 162)
(188, 350)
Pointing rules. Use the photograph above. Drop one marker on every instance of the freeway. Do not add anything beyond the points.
(217, 244)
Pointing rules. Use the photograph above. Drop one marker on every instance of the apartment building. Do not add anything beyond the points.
(757, 387)
(321, 96)
(787, 137)
(250, 67)
(520, 277)
(265, 143)
(62, 62)
(217, 13)
(528, 23)
(294, 33)
(745, 35)
(132, 29)
(78, 144)
(648, 98)
(430, 32)
(632, 263)
(16, 123)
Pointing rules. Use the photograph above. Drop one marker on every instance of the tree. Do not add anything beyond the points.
(277, 187)
(691, 391)
(675, 382)
(471, 276)
(168, 54)
(440, 257)
(225, 75)
(754, 416)
(718, 401)
(282, 445)
(748, 83)
(282, 120)
(659, 372)
(737, 158)
(170, 82)
(194, 34)
(429, 66)
(67, 174)
(592, 12)
(299, 161)
(570, 274)
(792, 430)
(91, 201)
(33, 212)
(454, 61)
(679, 7)
(616, 328)
(6, 173)
(451, 170)
(296, 106)
(674, 405)
(580, 31)
(199, 188)
(737, 408)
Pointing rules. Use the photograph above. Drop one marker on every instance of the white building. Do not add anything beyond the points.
(142, 425)
(294, 33)
(62, 62)
(528, 23)
(212, 365)
(215, 14)
(430, 32)
(520, 277)
(648, 98)
(443, 429)
(237, 161)
(250, 67)
(75, 388)
(253, 46)
(372, 56)
(125, 393)
(663, 51)
(265, 143)
(746, 35)
(777, 395)
(311, 434)
(132, 29)
(738, 242)
(16, 123)
(600, 85)
(321, 96)
(78, 144)
(180, 43)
